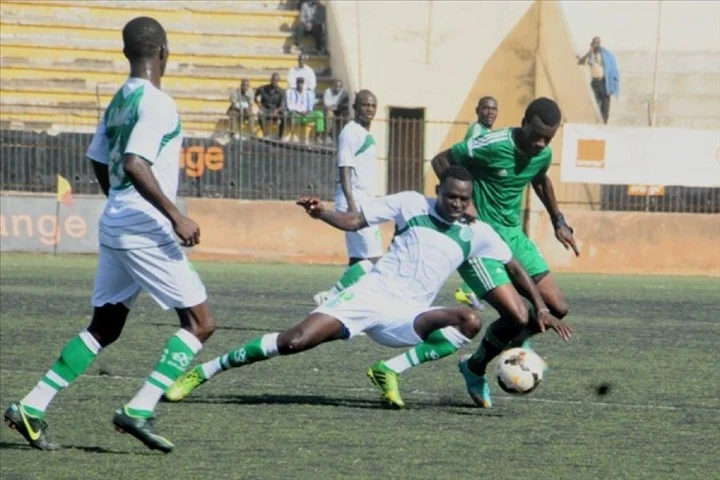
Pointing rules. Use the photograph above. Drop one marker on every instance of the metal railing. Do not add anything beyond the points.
(260, 164)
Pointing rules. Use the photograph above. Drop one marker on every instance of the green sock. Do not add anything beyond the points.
(438, 344)
(256, 350)
(177, 355)
(352, 274)
(497, 337)
(75, 358)
(526, 332)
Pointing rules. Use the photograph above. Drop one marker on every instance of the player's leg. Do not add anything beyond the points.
(113, 293)
(171, 280)
(490, 281)
(364, 249)
(317, 328)
(435, 334)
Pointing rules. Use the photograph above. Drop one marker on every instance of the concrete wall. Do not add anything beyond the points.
(610, 242)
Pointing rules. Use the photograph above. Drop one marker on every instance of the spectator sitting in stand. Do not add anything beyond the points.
(311, 22)
(240, 107)
(336, 104)
(270, 100)
(300, 104)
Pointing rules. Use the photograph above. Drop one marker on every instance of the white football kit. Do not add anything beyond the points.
(426, 250)
(356, 149)
(138, 247)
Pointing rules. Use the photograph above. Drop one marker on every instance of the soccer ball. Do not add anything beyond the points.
(519, 371)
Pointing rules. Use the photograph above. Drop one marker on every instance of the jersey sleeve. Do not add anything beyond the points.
(473, 151)
(488, 244)
(99, 149)
(346, 149)
(152, 125)
(390, 207)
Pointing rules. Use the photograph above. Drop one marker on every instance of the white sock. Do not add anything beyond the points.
(212, 368)
(399, 364)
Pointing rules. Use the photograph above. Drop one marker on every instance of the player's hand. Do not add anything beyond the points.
(312, 205)
(546, 320)
(188, 231)
(565, 235)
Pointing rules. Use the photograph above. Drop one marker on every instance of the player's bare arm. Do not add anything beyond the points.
(347, 221)
(346, 185)
(546, 193)
(103, 176)
(142, 178)
(441, 162)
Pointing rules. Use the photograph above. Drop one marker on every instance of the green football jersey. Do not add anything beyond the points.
(475, 130)
(501, 173)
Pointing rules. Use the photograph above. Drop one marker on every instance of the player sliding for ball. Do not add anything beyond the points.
(391, 304)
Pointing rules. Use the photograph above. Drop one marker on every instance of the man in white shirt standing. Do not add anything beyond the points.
(357, 184)
(302, 71)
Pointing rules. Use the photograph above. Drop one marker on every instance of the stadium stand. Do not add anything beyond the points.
(61, 62)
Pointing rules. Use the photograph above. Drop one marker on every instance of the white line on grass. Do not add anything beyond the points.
(423, 393)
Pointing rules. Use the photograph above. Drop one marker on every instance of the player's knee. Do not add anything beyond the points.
(291, 342)
(205, 327)
(107, 323)
(471, 323)
(561, 310)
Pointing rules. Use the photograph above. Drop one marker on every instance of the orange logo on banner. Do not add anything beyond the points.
(196, 158)
(646, 190)
(590, 153)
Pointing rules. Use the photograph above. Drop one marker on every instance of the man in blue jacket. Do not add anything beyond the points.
(605, 75)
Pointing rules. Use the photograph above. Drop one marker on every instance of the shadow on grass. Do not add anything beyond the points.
(321, 400)
(217, 327)
(83, 448)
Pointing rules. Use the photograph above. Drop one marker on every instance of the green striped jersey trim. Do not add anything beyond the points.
(170, 136)
(453, 231)
(369, 142)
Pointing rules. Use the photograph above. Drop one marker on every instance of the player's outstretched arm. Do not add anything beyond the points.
(441, 162)
(147, 186)
(103, 176)
(546, 193)
(347, 221)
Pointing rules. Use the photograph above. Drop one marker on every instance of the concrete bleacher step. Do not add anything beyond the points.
(679, 105)
(270, 41)
(72, 49)
(192, 13)
(177, 76)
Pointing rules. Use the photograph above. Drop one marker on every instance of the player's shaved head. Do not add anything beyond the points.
(544, 109)
(365, 107)
(486, 99)
(364, 95)
(456, 172)
(143, 38)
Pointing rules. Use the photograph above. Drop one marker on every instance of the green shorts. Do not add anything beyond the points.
(483, 275)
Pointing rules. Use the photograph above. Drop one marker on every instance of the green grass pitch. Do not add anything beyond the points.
(652, 340)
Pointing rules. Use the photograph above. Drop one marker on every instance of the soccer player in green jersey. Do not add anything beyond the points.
(503, 163)
(487, 111)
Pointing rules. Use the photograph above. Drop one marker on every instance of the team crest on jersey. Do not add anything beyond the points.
(466, 234)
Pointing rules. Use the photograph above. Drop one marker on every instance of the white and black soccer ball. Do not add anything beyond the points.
(519, 371)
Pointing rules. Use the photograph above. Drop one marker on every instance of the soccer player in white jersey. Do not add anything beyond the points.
(357, 184)
(391, 304)
(135, 155)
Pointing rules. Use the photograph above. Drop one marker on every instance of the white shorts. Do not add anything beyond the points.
(388, 321)
(164, 272)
